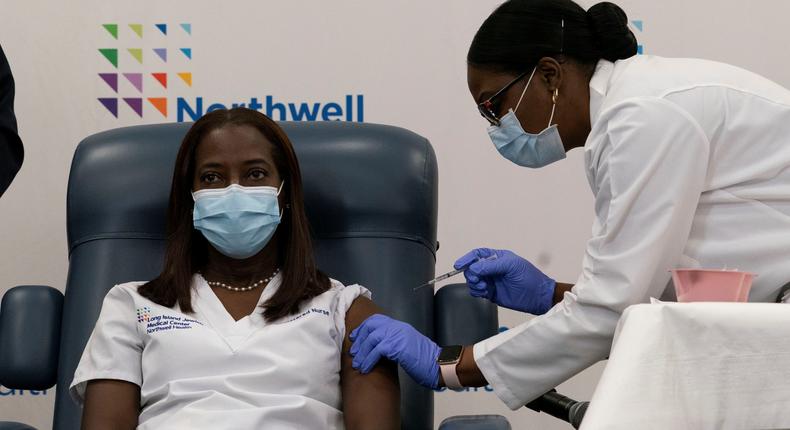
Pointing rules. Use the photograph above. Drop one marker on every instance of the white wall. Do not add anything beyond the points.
(407, 59)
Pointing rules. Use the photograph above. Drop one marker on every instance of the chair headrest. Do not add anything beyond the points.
(360, 180)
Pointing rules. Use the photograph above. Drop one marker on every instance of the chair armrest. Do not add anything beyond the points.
(475, 422)
(30, 318)
(460, 319)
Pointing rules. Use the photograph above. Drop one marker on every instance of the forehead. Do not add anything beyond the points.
(233, 142)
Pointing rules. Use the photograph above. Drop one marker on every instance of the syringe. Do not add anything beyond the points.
(454, 272)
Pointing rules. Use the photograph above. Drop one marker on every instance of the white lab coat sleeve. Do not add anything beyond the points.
(344, 298)
(114, 350)
(650, 167)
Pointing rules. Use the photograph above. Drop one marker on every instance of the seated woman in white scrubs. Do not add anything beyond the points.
(240, 330)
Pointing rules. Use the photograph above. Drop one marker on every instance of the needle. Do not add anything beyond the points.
(453, 273)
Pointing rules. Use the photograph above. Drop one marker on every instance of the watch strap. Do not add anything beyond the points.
(450, 374)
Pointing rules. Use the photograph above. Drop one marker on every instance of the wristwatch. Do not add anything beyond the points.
(448, 362)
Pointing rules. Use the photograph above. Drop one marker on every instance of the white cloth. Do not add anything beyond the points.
(206, 371)
(689, 161)
(696, 366)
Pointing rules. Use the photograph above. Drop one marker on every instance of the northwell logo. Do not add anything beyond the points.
(142, 82)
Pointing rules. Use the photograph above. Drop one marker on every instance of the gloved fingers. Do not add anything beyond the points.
(485, 289)
(363, 351)
(373, 358)
(488, 268)
(354, 333)
(373, 339)
(465, 259)
(497, 267)
(472, 256)
(358, 340)
(479, 289)
(486, 252)
(360, 336)
(355, 345)
(471, 278)
(371, 323)
(479, 294)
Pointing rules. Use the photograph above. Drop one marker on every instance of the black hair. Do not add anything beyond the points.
(521, 32)
(186, 249)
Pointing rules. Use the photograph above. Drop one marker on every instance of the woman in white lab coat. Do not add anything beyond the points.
(689, 163)
(240, 330)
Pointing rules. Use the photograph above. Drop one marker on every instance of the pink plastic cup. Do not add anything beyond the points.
(705, 285)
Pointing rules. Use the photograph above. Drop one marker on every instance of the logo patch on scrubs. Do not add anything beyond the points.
(308, 312)
(143, 314)
(156, 323)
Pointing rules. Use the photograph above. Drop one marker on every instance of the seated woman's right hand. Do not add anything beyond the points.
(381, 336)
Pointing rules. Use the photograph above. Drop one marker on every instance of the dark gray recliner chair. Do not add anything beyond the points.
(371, 197)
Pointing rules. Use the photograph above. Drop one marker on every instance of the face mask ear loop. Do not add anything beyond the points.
(525, 89)
(281, 187)
(554, 105)
(282, 210)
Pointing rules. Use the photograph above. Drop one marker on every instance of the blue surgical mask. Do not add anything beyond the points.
(527, 149)
(238, 221)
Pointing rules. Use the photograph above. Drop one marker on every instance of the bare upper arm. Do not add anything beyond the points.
(371, 400)
(110, 403)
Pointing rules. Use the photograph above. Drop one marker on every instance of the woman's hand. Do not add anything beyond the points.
(508, 280)
(383, 337)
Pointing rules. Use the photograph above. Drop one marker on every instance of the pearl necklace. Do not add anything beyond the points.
(252, 286)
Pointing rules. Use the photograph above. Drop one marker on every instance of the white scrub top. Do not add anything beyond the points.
(689, 162)
(203, 370)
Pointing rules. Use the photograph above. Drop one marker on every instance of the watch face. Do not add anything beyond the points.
(450, 354)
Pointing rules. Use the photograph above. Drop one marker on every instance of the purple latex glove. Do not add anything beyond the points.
(380, 336)
(509, 280)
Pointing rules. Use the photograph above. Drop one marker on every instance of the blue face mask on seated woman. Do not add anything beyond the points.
(238, 221)
(527, 149)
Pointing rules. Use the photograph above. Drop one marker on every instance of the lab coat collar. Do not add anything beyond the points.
(599, 86)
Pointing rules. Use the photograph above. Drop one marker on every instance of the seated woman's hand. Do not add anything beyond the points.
(381, 336)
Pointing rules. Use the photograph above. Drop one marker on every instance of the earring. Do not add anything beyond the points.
(556, 94)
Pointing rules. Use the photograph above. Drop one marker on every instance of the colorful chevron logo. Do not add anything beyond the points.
(143, 314)
(145, 92)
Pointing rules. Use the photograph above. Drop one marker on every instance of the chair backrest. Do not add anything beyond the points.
(371, 197)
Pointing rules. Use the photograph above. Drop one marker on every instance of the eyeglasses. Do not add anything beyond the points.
(487, 108)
